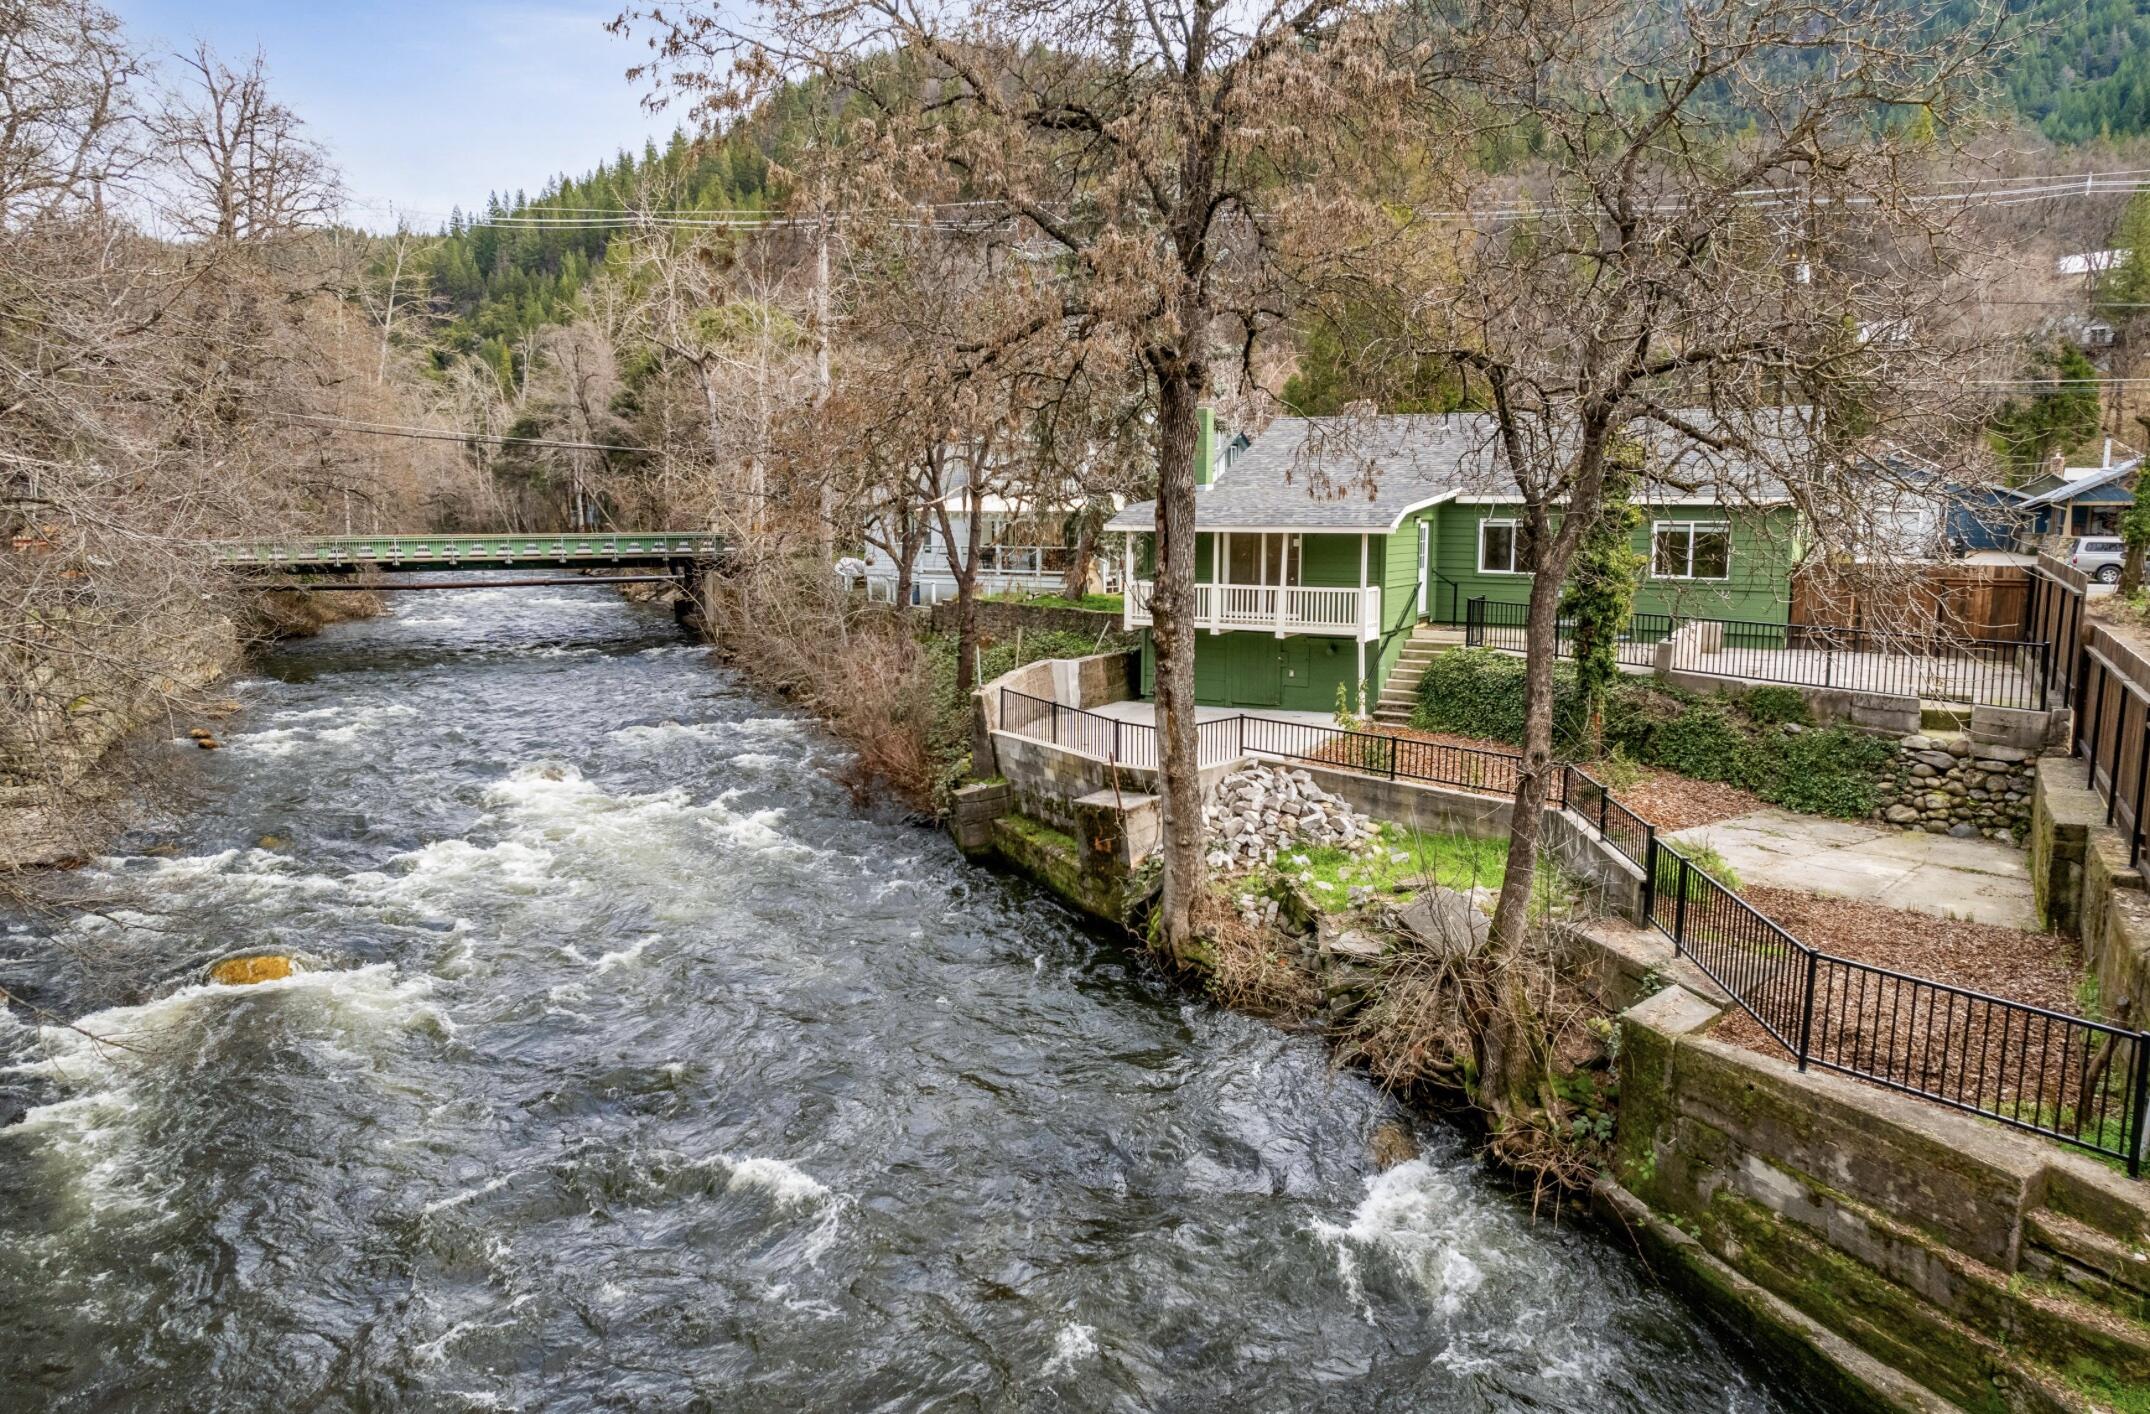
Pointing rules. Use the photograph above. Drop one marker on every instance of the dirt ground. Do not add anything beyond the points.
(2043, 969)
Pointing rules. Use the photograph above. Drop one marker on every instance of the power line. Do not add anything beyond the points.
(381, 429)
(1989, 191)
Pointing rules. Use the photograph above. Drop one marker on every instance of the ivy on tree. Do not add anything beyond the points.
(1600, 593)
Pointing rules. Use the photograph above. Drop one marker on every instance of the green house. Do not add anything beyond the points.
(1328, 547)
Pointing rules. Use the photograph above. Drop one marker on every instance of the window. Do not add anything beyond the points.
(1260, 559)
(1688, 549)
(1503, 547)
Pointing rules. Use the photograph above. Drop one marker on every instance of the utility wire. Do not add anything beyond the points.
(382, 429)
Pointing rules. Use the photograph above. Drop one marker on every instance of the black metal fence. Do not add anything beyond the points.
(1221, 739)
(1936, 667)
(2069, 1078)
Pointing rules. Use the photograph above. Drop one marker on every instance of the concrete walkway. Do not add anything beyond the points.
(1980, 880)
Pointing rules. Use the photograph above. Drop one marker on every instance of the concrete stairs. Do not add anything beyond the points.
(1400, 693)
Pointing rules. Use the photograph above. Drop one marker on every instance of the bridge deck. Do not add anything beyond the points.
(424, 552)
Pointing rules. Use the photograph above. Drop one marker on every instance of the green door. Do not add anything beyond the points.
(1298, 659)
(1256, 670)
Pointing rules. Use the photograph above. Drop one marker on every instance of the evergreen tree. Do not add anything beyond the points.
(2059, 416)
(2124, 290)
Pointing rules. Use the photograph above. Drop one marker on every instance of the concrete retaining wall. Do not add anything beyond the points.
(1998, 1271)
(1000, 622)
(1874, 711)
(1095, 681)
(2086, 888)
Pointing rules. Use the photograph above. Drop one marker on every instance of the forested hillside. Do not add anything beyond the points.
(2084, 70)
(499, 280)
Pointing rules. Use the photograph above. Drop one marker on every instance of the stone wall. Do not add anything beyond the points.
(1943, 1257)
(1000, 621)
(1956, 786)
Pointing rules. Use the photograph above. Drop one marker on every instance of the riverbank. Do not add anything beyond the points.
(67, 776)
(2018, 1260)
(636, 1063)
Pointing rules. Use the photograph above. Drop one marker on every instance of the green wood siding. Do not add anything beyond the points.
(1302, 672)
(1764, 547)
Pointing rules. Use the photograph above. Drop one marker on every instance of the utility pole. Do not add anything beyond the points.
(821, 354)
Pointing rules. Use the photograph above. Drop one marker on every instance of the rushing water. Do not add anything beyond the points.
(636, 1067)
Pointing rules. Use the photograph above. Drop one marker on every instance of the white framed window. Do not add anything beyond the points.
(1259, 559)
(1690, 549)
(1503, 547)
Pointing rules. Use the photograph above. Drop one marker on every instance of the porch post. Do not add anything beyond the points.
(1359, 633)
(1127, 583)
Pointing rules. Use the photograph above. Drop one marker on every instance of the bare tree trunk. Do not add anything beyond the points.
(1501, 1023)
(1076, 582)
(1173, 630)
(966, 576)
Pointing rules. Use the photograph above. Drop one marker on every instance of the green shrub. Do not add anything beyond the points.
(1706, 743)
(1826, 772)
(1478, 692)
(1773, 706)
(1739, 740)
(1702, 859)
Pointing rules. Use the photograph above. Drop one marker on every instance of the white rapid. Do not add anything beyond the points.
(630, 1065)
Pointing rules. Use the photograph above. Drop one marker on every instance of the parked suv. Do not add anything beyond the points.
(2098, 556)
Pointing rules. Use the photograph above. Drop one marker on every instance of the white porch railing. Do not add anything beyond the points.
(1348, 612)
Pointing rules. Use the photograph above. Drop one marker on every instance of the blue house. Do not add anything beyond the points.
(2077, 500)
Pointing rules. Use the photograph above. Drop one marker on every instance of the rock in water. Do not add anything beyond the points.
(246, 971)
(1393, 1144)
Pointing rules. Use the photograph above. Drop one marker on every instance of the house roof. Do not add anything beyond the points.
(1366, 474)
(2055, 487)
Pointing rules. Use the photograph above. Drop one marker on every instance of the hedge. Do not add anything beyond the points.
(1742, 740)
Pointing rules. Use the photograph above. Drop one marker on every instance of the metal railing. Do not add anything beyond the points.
(2069, 1078)
(1935, 667)
(1222, 739)
(452, 549)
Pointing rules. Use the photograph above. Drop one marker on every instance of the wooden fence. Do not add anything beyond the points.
(1989, 602)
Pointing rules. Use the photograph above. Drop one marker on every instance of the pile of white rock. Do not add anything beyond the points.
(1264, 809)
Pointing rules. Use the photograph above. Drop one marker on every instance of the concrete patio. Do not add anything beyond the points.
(1980, 880)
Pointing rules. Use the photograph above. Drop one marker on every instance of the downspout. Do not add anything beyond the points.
(1360, 635)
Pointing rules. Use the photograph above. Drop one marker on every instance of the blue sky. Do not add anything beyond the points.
(426, 105)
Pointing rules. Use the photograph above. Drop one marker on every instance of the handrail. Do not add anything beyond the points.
(339, 549)
(1821, 1008)
(1846, 1015)
(1985, 672)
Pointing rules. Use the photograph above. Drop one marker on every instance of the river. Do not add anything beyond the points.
(636, 1066)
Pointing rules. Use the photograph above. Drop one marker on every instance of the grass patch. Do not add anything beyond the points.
(1400, 862)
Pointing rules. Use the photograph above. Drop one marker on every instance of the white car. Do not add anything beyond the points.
(2098, 556)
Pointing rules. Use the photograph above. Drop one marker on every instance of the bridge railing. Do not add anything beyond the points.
(454, 549)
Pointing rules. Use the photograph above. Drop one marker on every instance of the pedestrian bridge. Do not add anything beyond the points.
(349, 554)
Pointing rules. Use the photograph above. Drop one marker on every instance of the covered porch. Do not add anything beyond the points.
(1258, 581)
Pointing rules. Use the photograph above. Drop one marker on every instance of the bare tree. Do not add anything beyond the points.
(1121, 144)
(1718, 269)
(240, 166)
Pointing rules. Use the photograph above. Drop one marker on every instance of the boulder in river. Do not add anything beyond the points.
(246, 971)
(1394, 1144)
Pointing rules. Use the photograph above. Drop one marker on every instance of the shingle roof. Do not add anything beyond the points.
(1365, 474)
(2050, 488)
